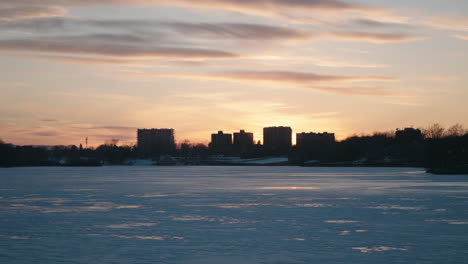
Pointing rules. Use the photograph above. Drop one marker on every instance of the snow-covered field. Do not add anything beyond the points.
(227, 215)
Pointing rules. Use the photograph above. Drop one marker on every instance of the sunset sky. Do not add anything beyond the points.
(71, 69)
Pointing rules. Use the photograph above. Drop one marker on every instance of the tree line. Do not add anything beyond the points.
(437, 147)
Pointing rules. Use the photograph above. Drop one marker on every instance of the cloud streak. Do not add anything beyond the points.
(286, 77)
(374, 37)
(233, 5)
(356, 90)
(28, 12)
(306, 80)
(315, 11)
(275, 8)
(183, 31)
(303, 11)
(237, 31)
(463, 37)
(266, 32)
(380, 24)
(443, 22)
(91, 44)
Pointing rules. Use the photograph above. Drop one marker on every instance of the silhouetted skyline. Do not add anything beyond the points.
(436, 148)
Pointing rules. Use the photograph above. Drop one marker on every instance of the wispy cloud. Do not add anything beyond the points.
(88, 44)
(87, 60)
(237, 31)
(380, 24)
(358, 90)
(49, 120)
(417, 20)
(28, 12)
(183, 31)
(282, 76)
(297, 11)
(463, 37)
(441, 78)
(443, 22)
(266, 32)
(251, 6)
(114, 128)
(71, 132)
(315, 11)
(277, 8)
(374, 37)
(46, 133)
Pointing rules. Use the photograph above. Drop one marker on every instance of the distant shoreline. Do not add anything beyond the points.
(435, 171)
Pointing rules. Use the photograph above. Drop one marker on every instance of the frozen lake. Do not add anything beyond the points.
(227, 215)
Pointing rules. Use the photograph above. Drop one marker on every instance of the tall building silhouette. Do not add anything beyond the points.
(155, 142)
(277, 139)
(221, 139)
(221, 143)
(243, 139)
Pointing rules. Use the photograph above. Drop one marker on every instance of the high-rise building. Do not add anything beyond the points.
(155, 142)
(243, 139)
(278, 139)
(304, 140)
(220, 139)
(221, 143)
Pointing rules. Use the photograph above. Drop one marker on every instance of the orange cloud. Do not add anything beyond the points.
(28, 12)
(463, 37)
(374, 37)
(358, 90)
(281, 76)
(443, 22)
(234, 5)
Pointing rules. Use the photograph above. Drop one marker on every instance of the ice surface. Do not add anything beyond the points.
(267, 161)
(242, 215)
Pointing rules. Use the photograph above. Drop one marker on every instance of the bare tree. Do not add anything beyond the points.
(113, 142)
(185, 143)
(389, 134)
(434, 131)
(456, 130)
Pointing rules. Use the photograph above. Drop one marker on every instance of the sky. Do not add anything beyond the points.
(71, 69)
